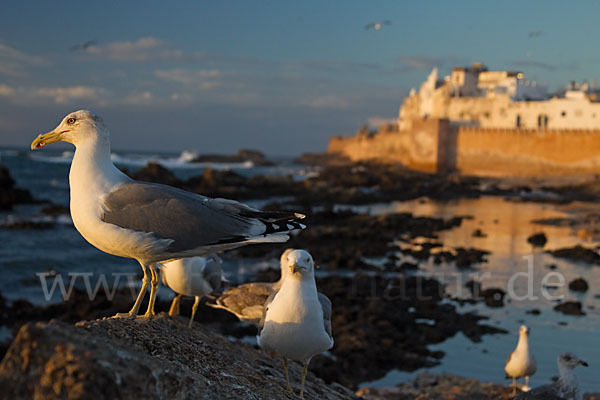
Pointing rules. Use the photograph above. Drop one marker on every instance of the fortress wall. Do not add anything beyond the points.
(496, 151)
(385, 146)
(434, 145)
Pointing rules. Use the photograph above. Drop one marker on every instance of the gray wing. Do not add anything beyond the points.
(190, 220)
(245, 301)
(213, 272)
(265, 309)
(326, 306)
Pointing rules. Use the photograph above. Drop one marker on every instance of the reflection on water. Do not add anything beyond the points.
(506, 226)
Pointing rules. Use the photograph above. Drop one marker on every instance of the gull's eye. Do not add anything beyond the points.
(71, 121)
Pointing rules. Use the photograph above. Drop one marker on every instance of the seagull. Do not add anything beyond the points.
(377, 25)
(296, 321)
(535, 34)
(194, 276)
(83, 46)
(567, 386)
(246, 301)
(521, 362)
(148, 222)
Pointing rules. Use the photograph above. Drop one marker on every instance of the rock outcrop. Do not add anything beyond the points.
(136, 359)
(9, 194)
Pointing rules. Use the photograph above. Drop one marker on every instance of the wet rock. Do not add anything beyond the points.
(9, 194)
(322, 159)
(427, 386)
(578, 285)
(114, 358)
(538, 239)
(26, 224)
(570, 308)
(534, 311)
(156, 173)
(254, 156)
(577, 253)
(391, 312)
(492, 297)
(478, 233)
(465, 258)
(340, 240)
(55, 210)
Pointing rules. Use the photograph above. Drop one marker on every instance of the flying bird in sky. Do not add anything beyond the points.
(535, 34)
(83, 46)
(377, 25)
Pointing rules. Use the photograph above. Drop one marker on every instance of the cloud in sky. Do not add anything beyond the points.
(200, 78)
(408, 63)
(534, 64)
(14, 62)
(143, 49)
(57, 95)
(334, 66)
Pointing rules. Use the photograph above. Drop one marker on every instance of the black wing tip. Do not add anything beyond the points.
(287, 225)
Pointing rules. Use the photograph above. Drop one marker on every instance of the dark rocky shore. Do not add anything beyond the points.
(381, 321)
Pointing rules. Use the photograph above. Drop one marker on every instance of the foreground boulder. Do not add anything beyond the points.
(109, 359)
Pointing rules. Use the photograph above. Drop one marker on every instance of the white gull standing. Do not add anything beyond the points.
(246, 301)
(150, 222)
(521, 362)
(567, 385)
(194, 276)
(296, 321)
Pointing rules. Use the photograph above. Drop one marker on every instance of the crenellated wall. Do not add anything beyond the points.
(435, 145)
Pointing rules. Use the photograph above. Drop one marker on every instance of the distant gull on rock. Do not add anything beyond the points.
(521, 362)
(194, 276)
(150, 222)
(246, 301)
(296, 321)
(567, 386)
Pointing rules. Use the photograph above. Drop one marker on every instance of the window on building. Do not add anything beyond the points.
(518, 121)
(563, 114)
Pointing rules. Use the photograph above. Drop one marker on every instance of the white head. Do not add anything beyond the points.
(284, 262)
(524, 331)
(569, 361)
(300, 264)
(77, 128)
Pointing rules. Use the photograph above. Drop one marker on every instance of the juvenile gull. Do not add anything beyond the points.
(567, 386)
(246, 301)
(194, 276)
(296, 321)
(521, 362)
(150, 222)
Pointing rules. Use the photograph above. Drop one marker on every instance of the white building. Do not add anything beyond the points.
(500, 99)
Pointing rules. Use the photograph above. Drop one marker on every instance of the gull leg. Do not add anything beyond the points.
(174, 310)
(194, 308)
(514, 386)
(138, 302)
(153, 291)
(304, 372)
(526, 388)
(287, 375)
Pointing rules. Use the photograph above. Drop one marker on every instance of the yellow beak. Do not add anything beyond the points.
(45, 139)
(293, 268)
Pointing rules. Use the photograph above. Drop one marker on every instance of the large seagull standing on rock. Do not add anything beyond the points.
(146, 221)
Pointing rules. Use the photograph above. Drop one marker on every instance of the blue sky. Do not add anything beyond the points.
(280, 76)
